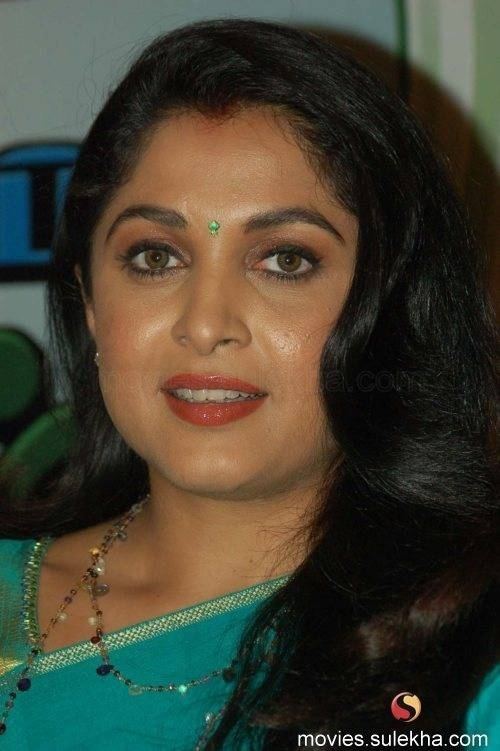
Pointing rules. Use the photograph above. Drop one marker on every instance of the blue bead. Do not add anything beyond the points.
(104, 669)
(24, 684)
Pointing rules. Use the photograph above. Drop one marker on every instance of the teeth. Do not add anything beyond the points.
(211, 395)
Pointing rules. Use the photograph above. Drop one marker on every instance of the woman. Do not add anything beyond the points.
(253, 218)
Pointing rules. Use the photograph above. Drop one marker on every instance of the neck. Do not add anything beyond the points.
(205, 547)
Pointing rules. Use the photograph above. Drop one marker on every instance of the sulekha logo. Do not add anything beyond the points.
(406, 706)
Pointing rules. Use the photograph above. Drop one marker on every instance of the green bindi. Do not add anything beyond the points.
(213, 226)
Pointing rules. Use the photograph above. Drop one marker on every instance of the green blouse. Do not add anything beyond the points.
(70, 706)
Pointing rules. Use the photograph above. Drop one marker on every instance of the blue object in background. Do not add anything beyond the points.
(33, 182)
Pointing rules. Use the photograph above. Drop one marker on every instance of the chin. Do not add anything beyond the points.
(206, 479)
(210, 478)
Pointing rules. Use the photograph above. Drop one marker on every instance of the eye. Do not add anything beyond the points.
(153, 260)
(150, 259)
(290, 262)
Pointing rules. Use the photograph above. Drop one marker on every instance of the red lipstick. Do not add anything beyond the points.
(214, 413)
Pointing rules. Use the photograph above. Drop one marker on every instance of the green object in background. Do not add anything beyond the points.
(20, 373)
(39, 448)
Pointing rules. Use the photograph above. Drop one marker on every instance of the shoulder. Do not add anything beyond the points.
(13, 558)
(13, 554)
(68, 552)
(483, 714)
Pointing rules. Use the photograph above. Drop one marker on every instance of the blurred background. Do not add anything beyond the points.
(59, 59)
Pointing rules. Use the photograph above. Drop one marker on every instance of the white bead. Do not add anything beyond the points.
(92, 620)
(62, 616)
(135, 690)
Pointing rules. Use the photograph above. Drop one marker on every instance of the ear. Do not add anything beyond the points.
(87, 302)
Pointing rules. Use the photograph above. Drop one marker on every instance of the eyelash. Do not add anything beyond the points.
(284, 277)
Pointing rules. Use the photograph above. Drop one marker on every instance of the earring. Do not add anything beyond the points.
(96, 358)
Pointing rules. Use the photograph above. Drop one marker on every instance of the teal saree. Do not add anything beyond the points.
(69, 706)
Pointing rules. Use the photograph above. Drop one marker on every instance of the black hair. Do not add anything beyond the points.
(400, 589)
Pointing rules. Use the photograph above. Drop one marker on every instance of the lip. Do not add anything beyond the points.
(206, 381)
(210, 414)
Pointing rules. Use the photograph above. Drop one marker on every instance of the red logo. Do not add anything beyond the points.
(406, 706)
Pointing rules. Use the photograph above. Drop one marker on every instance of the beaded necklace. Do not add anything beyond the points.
(89, 580)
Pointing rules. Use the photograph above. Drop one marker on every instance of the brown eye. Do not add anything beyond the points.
(291, 263)
(147, 260)
(156, 259)
(288, 260)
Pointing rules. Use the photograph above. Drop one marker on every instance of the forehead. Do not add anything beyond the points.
(251, 155)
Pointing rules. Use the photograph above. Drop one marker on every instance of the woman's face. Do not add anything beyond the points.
(171, 297)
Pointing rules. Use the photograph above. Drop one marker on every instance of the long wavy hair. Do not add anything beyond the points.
(400, 587)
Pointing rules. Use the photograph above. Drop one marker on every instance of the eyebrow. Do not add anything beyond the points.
(263, 220)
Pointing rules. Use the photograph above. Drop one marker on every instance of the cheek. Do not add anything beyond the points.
(305, 437)
(129, 356)
(124, 330)
(297, 361)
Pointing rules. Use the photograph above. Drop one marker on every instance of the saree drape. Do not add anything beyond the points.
(69, 706)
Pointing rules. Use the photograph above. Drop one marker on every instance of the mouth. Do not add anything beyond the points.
(211, 400)
(213, 396)
(203, 387)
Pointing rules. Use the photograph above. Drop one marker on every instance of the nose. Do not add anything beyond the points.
(212, 314)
